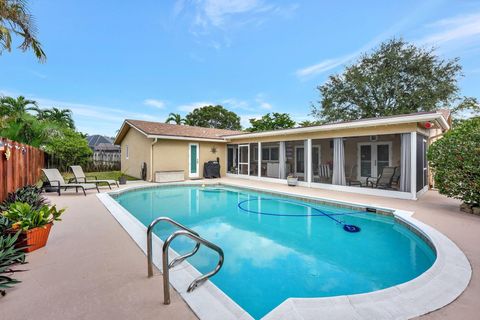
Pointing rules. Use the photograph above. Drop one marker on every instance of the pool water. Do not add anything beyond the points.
(277, 247)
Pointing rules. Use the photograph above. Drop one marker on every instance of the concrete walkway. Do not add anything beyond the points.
(91, 269)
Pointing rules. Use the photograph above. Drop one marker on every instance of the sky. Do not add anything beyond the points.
(111, 60)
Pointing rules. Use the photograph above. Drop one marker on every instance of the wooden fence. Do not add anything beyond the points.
(23, 166)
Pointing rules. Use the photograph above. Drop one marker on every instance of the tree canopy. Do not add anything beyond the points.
(455, 160)
(271, 121)
(15, 20)
(175, 118)
(50, 129)
(396, 78)
(213, 117)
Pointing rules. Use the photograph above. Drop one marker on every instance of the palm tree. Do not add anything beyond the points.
(175, 117)
(15, 108)
(15, 19)
(60, 116)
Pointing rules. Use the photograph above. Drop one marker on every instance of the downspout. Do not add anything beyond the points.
(151, 160)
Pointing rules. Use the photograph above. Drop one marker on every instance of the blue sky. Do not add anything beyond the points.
(111, 60)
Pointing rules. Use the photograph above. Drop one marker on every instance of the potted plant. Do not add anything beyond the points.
(122, 177)
(34, 223)
(292, 180)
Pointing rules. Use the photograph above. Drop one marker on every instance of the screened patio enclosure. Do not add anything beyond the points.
(376, 164)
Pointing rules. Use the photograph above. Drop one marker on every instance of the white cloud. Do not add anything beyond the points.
(154, 103)
(324, 65)
(209, 15)
(245, 119)
(461, 28)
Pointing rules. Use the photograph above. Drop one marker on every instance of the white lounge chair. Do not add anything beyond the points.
(80, 177)
(56, 181)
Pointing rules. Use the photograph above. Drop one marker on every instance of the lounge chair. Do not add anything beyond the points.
(80, 177)
(324, 173)
(56, 181)
(384, 180)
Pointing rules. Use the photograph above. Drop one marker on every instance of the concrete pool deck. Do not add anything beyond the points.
(91, 268)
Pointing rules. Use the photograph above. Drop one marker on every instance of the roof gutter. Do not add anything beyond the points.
(154, 136)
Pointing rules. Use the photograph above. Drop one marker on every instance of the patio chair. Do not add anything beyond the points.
(80, 177)
(324, 173)
(352, 179)
(384, 180)
(56, 180)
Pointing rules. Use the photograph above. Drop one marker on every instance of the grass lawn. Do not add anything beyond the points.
(106, 175)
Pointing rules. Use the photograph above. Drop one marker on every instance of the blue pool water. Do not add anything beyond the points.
(277, 247)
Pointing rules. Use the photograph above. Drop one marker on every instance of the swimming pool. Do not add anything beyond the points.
(277, 247)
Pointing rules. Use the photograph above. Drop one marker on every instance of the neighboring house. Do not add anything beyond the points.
(104, 151)
(346, 156)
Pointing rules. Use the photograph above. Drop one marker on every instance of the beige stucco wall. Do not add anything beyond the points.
(348, 132)
(139, 152)
(173, 155)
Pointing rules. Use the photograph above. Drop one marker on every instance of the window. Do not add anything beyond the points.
(126, 151)
(270, 153)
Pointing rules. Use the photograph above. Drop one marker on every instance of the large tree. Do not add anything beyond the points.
(396, 78)
(15, 20)
(213, 117)
(272, 121)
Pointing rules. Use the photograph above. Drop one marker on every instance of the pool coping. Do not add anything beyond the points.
(440, 285)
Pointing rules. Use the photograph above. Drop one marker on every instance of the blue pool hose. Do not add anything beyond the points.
(347, 227)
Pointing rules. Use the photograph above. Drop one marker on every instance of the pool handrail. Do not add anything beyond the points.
(166, 266)
(175, 261)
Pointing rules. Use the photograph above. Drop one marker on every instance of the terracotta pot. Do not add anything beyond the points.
(35, 238)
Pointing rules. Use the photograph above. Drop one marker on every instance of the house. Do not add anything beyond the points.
(104, 151)
(379, 156)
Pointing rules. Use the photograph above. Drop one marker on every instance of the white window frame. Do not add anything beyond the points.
(269, 148)
(299, 174)
(126, 152)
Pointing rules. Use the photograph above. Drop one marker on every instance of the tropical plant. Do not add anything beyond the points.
(396, 78)
(24, 217)
(274, 121)
(15, 108)
(62, 117)
(175, 117)
(455, 162)
(28, 194)
(9, 257)
(15, 19)
(214, 117)
(5, 224)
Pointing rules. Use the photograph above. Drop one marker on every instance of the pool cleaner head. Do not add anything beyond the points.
(351, 228)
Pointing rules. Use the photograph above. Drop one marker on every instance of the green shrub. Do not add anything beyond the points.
(27, 194)
(23, 216)
(455, 160)
(9, 256)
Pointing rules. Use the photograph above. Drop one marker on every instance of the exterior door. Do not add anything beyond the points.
(243, 159)
(193, 160)
(299, 161)
(372, 157)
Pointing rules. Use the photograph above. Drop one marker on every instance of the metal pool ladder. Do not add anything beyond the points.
(186, 232)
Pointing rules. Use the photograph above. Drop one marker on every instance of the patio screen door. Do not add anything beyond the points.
(243, 159)
(299, 161)
(372, 158)
(193, 160)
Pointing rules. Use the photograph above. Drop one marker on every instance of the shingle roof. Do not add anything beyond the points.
(167, 129)
(96, 139)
